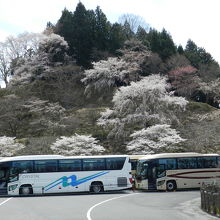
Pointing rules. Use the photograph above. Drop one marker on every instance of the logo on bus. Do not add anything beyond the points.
(72, 180)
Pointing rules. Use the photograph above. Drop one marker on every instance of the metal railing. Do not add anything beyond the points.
(210, 199)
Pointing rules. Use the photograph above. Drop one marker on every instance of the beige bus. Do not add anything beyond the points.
(171, 171)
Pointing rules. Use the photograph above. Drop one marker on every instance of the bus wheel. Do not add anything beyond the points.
(25, 190)
(171, 186)
(96, 187)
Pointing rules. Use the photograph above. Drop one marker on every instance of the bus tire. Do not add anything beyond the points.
(171, 185)
(97, 187)
(25, 190)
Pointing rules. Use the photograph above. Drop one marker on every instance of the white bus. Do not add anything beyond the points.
(42, 174)
(171, 171)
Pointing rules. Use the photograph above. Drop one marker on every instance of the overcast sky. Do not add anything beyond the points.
(184, 19)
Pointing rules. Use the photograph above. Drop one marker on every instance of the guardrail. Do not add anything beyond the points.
(210, 199)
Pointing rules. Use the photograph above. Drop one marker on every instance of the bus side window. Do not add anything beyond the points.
(23, 166)
(115, 163)
(218, 162)
(43, 166)
(210, 162)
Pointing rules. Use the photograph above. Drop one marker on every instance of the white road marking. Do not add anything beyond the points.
(5, 201)
(100, 203)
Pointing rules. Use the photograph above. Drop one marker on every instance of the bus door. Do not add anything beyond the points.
(152, 176)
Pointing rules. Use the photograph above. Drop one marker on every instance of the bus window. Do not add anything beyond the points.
(70, 165)
(187, 163)
(170, 164)
(45, 166)
(116, 163)
(2, 173)
(218, 161)
(207, 162)
(210, 162)
(23, 166)
(93, 164)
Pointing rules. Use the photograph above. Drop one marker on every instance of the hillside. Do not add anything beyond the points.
(129, 92)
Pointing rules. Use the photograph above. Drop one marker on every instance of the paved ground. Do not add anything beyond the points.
(113, 206)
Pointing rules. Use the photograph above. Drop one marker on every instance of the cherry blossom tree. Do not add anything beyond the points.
(184, 80)
(52, 51)
(155, 139)
(77, 145)
(140, 105)
(107, 74)
(211, 90)
(9, 146)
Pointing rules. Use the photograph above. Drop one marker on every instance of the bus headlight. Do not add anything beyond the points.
(160, 183)
(12, 187)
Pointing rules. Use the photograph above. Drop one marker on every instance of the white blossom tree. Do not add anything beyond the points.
(154, 139)
(109, 73)
(77, 145)
(14, 50)
(9, 146)
(142, 104)
(51, 51)
(211, 90)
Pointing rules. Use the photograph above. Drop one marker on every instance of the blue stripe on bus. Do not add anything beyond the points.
(72, 180)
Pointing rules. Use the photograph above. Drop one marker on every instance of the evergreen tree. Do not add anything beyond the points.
(64, 28)
(167, 46)
(142, 36)
(180, 50)
(102, 30)
(161, 43)
(127, 30)
(116, 37)
(83, 35)
(198, 55)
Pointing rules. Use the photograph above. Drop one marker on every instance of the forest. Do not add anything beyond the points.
(86, 86)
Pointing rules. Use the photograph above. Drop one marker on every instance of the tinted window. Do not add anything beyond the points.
(94, 164)
(218, 159)
(23, 166)
(187, 163)
(116, 163)
(133, 164)
(170, 164)
(45, 166)
(207, 162)
(2, 173)
(70, 165)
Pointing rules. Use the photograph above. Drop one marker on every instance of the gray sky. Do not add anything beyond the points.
(184, 19)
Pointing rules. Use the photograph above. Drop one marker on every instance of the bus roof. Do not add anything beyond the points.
(56, 157)
(175, 155)
(136, 157)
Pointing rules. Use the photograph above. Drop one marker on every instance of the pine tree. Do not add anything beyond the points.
(64, 28)
(161, 43)
(82, 37)
(116, 37)
(102, 30)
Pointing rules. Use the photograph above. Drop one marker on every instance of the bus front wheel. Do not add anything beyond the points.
(96, 187)
(25, 190)
(171, 186)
